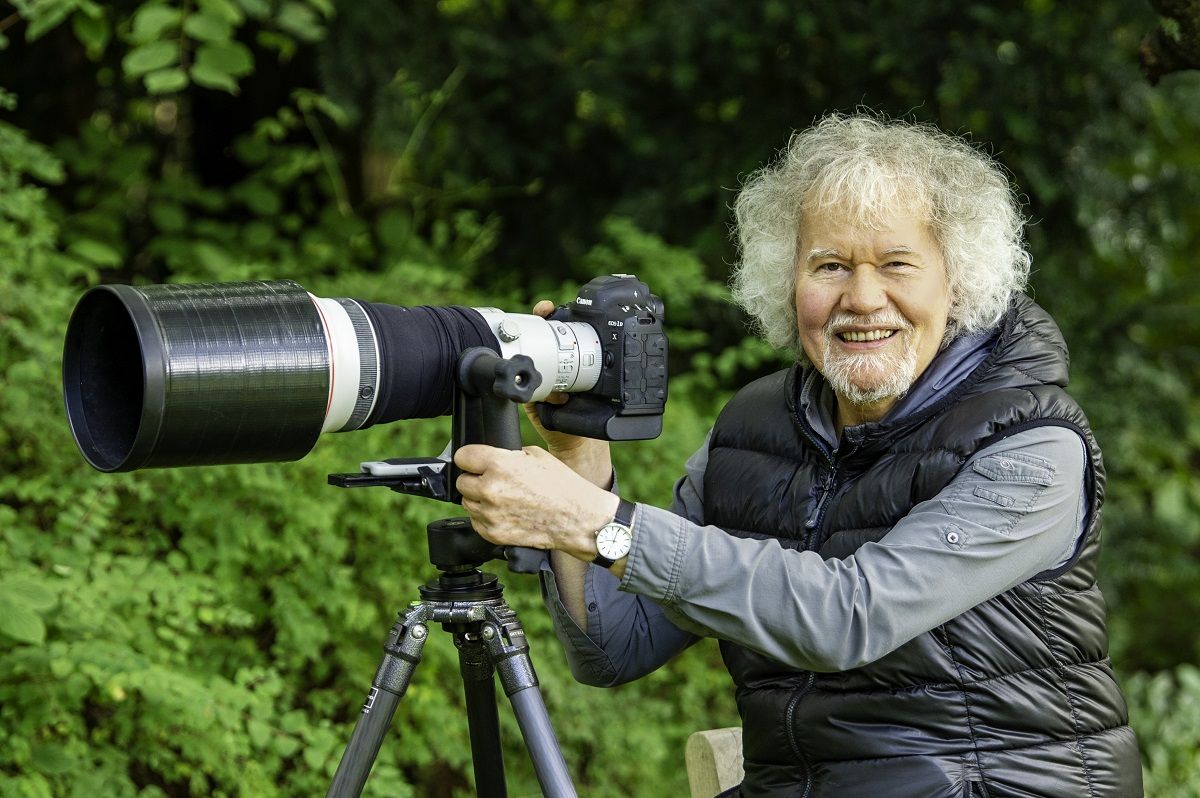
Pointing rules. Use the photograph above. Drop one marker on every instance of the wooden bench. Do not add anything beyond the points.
(714, 761)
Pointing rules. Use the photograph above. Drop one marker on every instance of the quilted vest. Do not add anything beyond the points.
(1016, 696)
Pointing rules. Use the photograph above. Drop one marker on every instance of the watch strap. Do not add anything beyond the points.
(624, 513)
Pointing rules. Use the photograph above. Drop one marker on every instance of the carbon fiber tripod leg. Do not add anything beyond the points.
(505, 641)
(402, 652)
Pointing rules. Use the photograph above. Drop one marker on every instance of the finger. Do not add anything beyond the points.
(543, 308)
(475, 457)
(556, 398)
(470, 486)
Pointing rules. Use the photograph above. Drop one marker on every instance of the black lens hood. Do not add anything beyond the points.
(114, 377)
(176, 375)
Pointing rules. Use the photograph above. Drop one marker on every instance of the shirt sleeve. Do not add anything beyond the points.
(627, 635)
(1014, 510)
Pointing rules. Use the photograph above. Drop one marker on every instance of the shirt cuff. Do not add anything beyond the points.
(655, 560)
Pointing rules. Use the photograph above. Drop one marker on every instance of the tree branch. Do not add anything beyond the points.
(1175, 45)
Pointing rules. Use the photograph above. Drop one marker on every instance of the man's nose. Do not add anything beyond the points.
(865, 292)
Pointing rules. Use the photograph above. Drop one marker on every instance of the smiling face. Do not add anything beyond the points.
(871, 307)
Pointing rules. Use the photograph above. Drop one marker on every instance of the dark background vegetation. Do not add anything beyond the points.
(211, 631)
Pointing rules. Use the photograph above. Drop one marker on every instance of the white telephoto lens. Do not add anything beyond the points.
(566, 354)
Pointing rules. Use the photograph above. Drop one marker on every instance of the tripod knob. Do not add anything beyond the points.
(481, 371)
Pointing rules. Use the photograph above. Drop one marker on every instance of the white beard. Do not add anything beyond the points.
(866, 378)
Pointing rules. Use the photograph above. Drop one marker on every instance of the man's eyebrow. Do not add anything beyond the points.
(823, 252)
(901, 250)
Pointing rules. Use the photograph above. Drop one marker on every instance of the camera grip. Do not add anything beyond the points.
(583, 415)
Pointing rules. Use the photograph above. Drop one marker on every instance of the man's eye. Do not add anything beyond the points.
(898, 264)
(829, 267)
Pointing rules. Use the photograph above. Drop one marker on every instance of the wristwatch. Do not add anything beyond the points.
(614, 539)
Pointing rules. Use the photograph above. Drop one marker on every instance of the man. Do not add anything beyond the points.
(896, 542)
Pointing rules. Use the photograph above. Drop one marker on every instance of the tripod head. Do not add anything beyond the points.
(487, 389)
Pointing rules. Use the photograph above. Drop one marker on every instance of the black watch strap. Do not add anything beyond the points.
(624, 517)
(624, 513)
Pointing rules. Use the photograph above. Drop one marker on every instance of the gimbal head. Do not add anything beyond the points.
(487, 388)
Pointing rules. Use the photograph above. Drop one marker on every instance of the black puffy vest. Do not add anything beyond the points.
(1015, 697)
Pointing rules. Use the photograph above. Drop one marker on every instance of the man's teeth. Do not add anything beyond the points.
(872, 335)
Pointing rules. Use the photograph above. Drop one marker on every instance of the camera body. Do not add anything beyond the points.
(630, 393)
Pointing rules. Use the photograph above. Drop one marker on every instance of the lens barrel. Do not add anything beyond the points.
(173, 375)
(216, 373)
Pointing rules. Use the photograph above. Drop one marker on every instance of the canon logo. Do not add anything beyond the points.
(581, 301)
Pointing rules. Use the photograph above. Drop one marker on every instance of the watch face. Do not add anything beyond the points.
(614, 541)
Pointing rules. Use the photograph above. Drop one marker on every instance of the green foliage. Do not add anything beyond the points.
(212, 631)
(1165, 708)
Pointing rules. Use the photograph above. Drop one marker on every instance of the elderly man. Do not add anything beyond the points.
(896, 541)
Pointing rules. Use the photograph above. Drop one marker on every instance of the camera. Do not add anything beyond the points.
(204, 374)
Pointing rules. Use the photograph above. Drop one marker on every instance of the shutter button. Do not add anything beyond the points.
(952, 537)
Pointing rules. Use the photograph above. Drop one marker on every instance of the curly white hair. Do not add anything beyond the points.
(865, 167)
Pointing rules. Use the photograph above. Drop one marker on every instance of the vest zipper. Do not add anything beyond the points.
(790, 717)
(828, 484)
(814, 517)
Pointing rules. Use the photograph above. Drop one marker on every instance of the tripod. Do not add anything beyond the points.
(466, 601)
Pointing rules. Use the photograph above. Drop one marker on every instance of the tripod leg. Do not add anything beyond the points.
(510, 654)
(483, 719)
(542, 743)
(402, 652)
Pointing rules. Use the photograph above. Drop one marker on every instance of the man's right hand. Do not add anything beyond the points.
(587, 457)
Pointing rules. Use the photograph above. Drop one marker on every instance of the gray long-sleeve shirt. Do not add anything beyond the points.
(1015, 509)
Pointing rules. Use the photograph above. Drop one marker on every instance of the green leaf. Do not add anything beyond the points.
(165, 81)
(150, 57)
(152, 21)
(211, 78)
(44, 17)
(168, 216)
(51, 759)
(300, 21)
(232, 58)
(95, 251)
(29, 592)
(259, 732)
(19, 621)
(285, 746)
(255, 8)
(225, 9)
(93, 33)
(207, 27)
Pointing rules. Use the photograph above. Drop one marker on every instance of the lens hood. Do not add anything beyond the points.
(171, 375)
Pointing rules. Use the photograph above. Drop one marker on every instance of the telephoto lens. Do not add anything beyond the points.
(181, 375)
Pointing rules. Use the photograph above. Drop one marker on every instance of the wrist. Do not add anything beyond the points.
(603, 512)
(590, 459)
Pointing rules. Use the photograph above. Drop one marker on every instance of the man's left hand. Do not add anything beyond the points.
(529, 498)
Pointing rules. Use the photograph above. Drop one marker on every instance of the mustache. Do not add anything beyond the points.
(840, 321)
